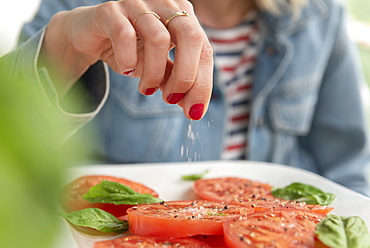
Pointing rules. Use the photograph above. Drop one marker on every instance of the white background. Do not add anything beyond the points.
(13, 14)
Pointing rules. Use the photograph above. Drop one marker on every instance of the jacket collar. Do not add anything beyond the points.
(276, 29)
(287, 23)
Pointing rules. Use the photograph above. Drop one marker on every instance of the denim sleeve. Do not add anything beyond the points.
(92, 88)
(339, 135)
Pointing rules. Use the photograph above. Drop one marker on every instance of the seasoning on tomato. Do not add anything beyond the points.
(268, 202)
(150, 241)
(227, 189)
(277, 228)
(72, 194)
(183, 218)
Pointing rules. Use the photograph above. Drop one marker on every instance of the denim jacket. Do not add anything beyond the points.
(306, 111)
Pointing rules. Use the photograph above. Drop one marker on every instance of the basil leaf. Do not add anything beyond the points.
(97, 219)
(194, 177)
(217, 214)
(343, 232)
(117, 193)
(303, 193)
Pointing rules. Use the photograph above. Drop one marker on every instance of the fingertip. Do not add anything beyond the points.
(128, 73)
(150, 91)
(196, 111)
(175, 98)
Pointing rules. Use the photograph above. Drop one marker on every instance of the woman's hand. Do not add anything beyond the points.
(130, 38)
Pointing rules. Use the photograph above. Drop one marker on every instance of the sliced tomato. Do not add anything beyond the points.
(72, 194)
(278, 228)
(150, 241)
(214, 241)
(249, 193)
(319, 244)
(183, 218)
(227, 189)
(268, 202)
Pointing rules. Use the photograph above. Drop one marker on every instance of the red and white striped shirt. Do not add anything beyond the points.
(235, 54)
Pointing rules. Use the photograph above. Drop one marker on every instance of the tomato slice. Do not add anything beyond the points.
(319, 244)
(214, 241)
(150, 241)
(183, 218)
(227, 189)
(72, 194)
(268, 202)
(278, 228)
(249, 193)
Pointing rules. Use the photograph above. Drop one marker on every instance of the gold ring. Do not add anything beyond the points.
(144, 13)
(178, 13)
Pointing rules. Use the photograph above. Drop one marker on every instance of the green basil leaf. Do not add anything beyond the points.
(343, 232)
(97, 219)
(217, 214)
(195, 177)
(117, 193)
(303, 193)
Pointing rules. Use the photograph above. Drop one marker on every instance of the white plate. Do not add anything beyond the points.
(166, 179)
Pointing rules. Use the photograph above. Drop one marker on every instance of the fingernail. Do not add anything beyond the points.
(175, 98)
(129, 73)
(196, 111)
(150, 91)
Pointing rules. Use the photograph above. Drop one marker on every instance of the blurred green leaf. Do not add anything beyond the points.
(359, 10)
(32, 166)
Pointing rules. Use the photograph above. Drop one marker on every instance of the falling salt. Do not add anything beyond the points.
(196, 143)
(191, 134)
(194, 138)
(182, 151)
(209, 122)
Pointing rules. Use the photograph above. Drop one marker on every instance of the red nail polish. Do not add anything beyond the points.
(196, 111)
(150, 91)
(129, 73)
(175, 97)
